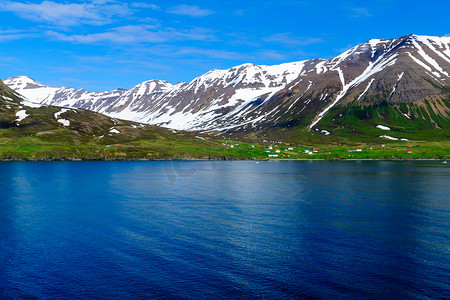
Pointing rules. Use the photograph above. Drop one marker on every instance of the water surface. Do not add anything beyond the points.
(283, 229)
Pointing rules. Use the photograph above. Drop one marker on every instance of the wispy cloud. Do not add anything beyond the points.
(190, 10)
(8, 59)
(289, 39)
(120, 59)
(68, 14)
(101, 2)
(204, 54)
(271, 54)
(195, 34)
(357, 12)
(144, 5)
(9, 35)
(67, 69)
(210, 53)
(137, 34)
(122, 35)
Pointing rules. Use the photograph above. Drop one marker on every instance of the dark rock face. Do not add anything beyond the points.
(403, 70)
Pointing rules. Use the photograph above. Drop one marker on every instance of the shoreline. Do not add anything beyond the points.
(227, 159)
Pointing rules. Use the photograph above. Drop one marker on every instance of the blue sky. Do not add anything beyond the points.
(107, 44)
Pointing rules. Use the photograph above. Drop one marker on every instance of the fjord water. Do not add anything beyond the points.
(286, 229)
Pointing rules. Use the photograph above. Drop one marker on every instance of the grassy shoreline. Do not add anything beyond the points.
(195, 159)
(223, 150)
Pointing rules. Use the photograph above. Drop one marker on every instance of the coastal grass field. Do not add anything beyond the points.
(161, 148)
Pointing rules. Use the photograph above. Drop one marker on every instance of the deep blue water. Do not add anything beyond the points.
(133, 230)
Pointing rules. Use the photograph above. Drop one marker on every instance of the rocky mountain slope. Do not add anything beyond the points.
(30, 131)
(180, 106)
(411, 72)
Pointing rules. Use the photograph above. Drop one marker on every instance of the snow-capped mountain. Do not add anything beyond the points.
(402, 70)
(109, 101)
(181, 106)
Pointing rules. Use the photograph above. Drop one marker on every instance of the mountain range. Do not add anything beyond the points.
(400, 84)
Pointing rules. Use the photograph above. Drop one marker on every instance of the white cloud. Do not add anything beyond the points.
(121, 35)
(190, 10)
(9, 35)
(101, 2)
(137, 34)
(67, 14)
(144, 5)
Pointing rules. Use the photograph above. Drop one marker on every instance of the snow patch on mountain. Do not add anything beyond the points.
(32, 90)
(57, 115)
(114, 130)
(63, 110)
(396, 84)
(373, 68)
(428, 58)
(367, 88)
(21, 115)
(64, 122)
(388, 137)
(382, 127)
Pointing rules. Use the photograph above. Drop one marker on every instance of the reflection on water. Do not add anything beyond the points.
(235, 229)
